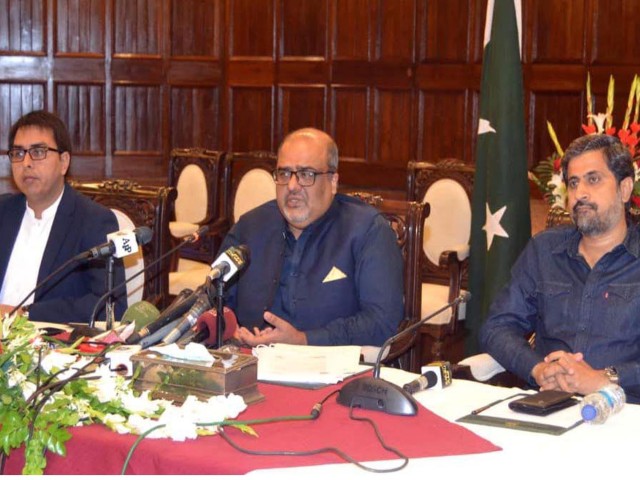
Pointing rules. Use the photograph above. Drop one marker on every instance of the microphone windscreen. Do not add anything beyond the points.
(140, 313)
(209, 320)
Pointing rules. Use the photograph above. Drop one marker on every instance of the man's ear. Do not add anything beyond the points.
(626, 188)
(65, 158)
(334, 183)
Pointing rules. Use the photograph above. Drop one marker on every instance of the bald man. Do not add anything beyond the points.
(325, 268)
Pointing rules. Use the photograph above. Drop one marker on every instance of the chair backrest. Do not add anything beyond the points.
(196, 174)
(248, 181)
(407, 220)
(140, 205)
(447, 187)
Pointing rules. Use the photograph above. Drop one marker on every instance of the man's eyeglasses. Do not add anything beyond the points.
(16, 155)
(305, 177)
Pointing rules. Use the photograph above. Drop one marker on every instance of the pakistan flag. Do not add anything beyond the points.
(501, 219)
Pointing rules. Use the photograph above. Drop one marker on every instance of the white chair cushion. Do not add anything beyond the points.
(449, 220)
(434, 297)
(189, 274)
(255, 188)
(132, 263)
(191, 202)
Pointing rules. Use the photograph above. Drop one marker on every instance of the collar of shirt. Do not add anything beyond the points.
(571, 244)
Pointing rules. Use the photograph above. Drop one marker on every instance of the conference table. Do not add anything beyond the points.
(437, 444)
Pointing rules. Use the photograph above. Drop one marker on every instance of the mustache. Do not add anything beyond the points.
(582, 203)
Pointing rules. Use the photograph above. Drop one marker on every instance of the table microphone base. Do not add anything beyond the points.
(377, 394)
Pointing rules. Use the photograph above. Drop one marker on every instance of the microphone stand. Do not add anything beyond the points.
(220, 311)
(109, 307)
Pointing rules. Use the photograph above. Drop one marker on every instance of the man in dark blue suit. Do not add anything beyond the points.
(47, 224)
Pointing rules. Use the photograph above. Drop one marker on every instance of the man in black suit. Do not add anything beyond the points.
(47, 224)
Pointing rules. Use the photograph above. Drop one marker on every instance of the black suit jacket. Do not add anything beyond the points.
(79, 225)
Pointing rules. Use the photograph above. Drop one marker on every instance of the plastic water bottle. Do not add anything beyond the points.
(598, 406)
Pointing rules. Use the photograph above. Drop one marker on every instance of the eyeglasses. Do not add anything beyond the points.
(305, 177)
(16, 155)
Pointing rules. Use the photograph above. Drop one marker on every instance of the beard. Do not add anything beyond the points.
(300, 213)
(591, 223)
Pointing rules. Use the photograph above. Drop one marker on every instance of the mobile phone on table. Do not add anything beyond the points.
(543, 403)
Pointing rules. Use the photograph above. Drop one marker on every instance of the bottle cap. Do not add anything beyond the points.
(589, 412)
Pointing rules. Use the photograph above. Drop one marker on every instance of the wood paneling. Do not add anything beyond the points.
(391, 80)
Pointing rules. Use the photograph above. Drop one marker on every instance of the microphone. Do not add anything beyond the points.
(428, 380)
(206, 329)
(183, 302)
(188, 239)
(142, 236)
(374, 393)
(120, 244)
(435, 374)
(230, 262)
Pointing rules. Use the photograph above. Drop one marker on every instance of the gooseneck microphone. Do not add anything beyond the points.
(374, 393)
(228, 264)
(188, 239)
(142, 235)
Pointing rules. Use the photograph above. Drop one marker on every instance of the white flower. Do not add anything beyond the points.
(599, 120)
(559, 191)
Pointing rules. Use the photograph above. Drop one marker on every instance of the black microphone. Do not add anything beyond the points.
(183, 302)
(427, 380)
(230, 262)
(142, 236)
(120, 244)
(374, 393)
(188, 239)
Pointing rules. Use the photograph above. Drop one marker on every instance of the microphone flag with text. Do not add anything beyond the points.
(374, 393)
(120, 244)
(226, 266)
(205, 330)
(188, 239)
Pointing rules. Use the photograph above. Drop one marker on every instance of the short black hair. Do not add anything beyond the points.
(616, 155)
(45, 120)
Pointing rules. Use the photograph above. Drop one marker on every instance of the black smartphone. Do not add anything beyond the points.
(543, 403)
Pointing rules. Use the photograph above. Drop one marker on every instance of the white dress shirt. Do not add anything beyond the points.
(22, 272)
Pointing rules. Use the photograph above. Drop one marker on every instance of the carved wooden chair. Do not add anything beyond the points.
(447, 188)
(196, 174)
(407, 220)
(136, 205)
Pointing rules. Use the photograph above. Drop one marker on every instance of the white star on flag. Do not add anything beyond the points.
(484, 126)
(492, 225)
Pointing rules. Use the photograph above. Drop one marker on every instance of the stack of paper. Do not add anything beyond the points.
(307, 364)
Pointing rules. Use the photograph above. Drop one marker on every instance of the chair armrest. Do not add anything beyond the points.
(459, 253)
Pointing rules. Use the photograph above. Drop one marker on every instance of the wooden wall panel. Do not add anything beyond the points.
(21, 24)
(353, 27)
(251, 119)
(302, 107)
(558, 31)
(81, 107)
(440, 21)
(615, 37)
(195, 118)
(304, 28)
(251, 28)
(350, 108)
(396, 30)
(80, 26)
(138, 119)
(393, 129)
(137, 27)
(444, 125)
(199, 23)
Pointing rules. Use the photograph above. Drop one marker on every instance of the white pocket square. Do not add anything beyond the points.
(333, 275)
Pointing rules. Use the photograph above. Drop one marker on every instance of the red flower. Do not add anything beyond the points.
(610, 131)
(589, 129)
(635, 127)
(636, 200)
(556, 164)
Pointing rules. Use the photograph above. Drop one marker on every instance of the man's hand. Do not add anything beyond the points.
(280, 331)
(569, 372)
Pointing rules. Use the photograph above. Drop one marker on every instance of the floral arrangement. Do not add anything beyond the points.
(45, 391)
(547, 175)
